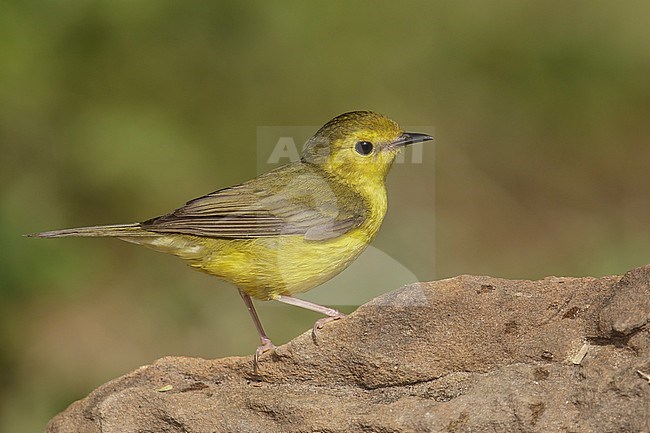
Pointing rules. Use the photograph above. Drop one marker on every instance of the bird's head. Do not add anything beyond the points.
(359, 146)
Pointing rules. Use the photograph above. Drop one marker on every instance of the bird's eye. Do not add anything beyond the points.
(363, 147)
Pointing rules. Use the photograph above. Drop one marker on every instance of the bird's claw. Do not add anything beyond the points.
(321, 322)
(265, 347)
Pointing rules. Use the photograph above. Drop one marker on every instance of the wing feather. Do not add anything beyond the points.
(295, 199)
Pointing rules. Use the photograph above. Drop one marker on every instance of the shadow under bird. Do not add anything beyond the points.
(288, 230)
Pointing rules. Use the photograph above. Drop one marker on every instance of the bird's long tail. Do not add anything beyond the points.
(116, 230)
(189, 248)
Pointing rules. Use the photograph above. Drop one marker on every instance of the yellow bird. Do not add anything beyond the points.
(288, 230)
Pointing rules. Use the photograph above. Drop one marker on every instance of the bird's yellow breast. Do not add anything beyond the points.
(265, 267)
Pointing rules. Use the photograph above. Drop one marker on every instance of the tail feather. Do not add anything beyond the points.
(116, 230)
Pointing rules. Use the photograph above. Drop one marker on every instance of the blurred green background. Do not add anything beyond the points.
(117, 111)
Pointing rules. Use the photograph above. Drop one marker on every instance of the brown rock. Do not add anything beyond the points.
(467, 354)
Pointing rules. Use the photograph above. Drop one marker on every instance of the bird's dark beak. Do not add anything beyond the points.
(409, 138)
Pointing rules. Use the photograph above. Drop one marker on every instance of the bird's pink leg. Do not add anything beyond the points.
(266, 341)
(331, 313)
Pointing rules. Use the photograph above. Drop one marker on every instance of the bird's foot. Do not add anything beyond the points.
(321, 322)
(331, 313)
(265, 347)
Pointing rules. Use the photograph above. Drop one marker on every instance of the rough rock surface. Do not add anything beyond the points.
(467, 354)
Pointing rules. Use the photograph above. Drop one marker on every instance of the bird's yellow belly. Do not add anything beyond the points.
(268, 266)
(283, 265)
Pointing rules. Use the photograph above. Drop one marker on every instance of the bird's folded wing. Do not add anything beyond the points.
(304, 204)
